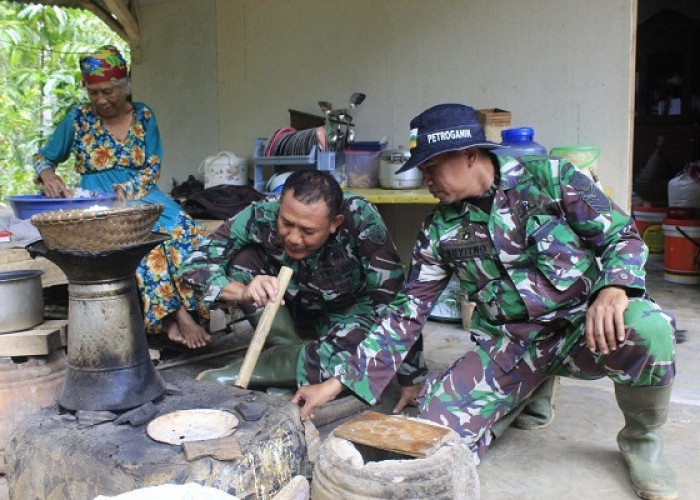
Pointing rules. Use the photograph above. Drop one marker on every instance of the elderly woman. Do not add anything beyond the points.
(117, 149)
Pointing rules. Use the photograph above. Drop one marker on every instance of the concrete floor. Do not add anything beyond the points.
(576, 457)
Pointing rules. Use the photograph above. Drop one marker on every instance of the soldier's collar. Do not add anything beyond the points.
(455, 210)
(511, 171)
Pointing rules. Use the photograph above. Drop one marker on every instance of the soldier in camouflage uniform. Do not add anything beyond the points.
(346, 270)
(556, 270)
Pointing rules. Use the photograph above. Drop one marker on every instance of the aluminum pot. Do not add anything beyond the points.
(22, 299)
(390, 160)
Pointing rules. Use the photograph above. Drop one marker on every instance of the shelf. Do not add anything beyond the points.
(323, 160)
(309, 159)
(379, 196)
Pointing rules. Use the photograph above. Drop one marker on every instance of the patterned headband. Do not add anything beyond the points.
(105, 65)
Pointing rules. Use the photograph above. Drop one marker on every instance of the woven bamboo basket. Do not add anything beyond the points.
(494, 120)
(90, 230)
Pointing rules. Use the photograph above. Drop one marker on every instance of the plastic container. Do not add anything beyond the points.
(26, 205)
(362, 168)
(584, 157)
(684, 188)
(681, 250)
(649, 221)
(519, 142)
(276, 183)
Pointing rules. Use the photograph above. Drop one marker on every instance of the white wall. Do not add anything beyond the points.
(177, 77)
(220, 73)
(561, 66)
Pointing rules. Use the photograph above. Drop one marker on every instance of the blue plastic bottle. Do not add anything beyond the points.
(519, 142)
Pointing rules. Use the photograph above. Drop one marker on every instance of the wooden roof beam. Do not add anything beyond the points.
(106, 17)
(126, 19)
(117, 17)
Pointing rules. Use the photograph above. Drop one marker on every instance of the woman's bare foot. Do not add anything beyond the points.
(183, 329)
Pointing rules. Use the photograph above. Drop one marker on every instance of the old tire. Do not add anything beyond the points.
(342, 472)
(51, 455)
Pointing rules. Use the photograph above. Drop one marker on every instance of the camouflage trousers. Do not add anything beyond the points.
(329, 335)
(475, 392)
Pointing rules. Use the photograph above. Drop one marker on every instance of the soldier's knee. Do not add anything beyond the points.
(649, 321)
(650, 328)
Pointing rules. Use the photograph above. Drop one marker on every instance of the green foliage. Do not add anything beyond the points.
(40, 82)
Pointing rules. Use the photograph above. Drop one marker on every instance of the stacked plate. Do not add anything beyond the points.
(290, 142)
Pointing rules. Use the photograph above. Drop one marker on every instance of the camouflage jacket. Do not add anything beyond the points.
(359, 260)
(551, 241)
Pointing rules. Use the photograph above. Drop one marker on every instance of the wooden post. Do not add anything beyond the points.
(261, 331)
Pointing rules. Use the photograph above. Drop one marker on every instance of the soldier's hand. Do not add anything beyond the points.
(261, 290)
(54, 187)
(409, 395)
(310, 397)
(605, 324)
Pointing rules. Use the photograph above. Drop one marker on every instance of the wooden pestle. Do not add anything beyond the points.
(261, 331)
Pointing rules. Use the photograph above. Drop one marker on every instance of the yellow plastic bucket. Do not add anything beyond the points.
(649, 221)
(584, 157)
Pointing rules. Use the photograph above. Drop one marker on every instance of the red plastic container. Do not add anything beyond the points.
(681, 250)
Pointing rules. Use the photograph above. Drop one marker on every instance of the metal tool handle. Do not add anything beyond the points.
(261, 331)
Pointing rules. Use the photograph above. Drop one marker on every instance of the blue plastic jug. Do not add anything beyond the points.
(519, 142)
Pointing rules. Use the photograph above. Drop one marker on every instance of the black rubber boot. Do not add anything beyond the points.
(276, 367)
(645, 409)
(538, 411)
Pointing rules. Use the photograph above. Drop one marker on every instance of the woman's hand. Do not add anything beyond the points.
(54, 187)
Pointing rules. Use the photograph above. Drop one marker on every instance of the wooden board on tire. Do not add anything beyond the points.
(405, 435)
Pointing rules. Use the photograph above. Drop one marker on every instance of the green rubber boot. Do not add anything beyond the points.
(535, 412)
(282, 331)
(538, 411)
(500, 426)
(277, 362)
(276, 366)
(645, 409)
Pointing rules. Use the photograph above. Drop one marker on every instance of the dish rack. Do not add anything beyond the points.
(323, 160)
